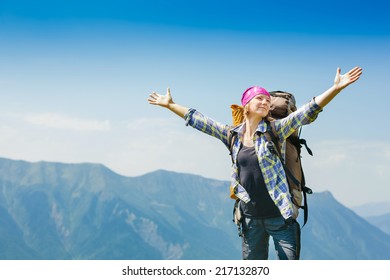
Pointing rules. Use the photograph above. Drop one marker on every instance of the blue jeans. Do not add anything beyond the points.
(257, 232)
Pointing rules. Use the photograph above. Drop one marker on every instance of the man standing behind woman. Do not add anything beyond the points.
(258, 178)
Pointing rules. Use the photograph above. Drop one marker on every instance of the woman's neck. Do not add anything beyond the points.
(251, 125)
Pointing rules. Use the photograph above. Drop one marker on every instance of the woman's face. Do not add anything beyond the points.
(259, 106)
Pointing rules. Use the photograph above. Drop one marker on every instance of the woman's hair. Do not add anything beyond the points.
(239, 114)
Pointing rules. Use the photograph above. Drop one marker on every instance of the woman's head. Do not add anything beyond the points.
(251, 92)
(256, 100)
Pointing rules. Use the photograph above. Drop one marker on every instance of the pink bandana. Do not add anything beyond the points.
(252, 92)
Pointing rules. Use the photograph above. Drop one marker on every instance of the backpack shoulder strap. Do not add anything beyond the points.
(271, 136)
(231, 139)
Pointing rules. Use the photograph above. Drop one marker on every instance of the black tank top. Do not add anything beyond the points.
(251, 178)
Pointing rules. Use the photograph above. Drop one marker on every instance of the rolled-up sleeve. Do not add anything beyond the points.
(313, 111)
(304, 115)
(207, 125)
(188, 116)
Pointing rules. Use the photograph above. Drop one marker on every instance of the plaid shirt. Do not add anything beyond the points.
(270, 165)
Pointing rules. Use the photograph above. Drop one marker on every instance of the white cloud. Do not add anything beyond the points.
(355, 171)
(155, 124)
(166, 143)
(59, 121)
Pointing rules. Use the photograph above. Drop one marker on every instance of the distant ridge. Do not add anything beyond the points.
(54, 210)
(372, 209)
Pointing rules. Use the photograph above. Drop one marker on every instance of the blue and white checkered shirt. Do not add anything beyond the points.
(270, 165)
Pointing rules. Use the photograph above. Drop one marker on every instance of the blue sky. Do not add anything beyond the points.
(75, 75)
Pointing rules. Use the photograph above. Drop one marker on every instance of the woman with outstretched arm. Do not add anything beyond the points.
(258, 179)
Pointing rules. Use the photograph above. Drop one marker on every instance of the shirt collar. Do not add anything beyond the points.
(261, 127)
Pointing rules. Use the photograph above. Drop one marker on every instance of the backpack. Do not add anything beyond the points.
(282, 104)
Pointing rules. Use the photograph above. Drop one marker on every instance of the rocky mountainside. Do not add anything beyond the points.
(86, 211)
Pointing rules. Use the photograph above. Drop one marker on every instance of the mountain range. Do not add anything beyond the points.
(86, 211)
(377, 214)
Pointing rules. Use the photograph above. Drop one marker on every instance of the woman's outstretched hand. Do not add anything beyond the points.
(342, 81)
(166, 101)
(161, 100)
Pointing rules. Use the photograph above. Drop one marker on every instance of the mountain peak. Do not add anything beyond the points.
(86, 211)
